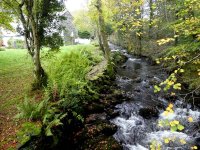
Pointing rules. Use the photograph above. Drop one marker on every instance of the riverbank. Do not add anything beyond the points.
(86, 126)
(67, 70)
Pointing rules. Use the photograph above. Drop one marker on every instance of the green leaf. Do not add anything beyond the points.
(48, 132)
(173, 128)
(156, 89)
(177, 86)
(180, 127)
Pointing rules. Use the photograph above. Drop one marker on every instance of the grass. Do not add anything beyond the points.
(15, 79)
(15, 76)
(15, 73)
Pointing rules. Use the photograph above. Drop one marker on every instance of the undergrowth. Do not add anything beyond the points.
(67, 90)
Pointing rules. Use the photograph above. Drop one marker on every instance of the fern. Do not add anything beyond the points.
(31, 110)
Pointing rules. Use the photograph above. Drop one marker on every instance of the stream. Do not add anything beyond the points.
(138, 120)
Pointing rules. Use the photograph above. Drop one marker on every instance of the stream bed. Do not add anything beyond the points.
(139, 117)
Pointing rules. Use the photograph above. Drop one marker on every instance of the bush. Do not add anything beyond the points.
(84, 34)
(109, 29)
(2, 49)
(16, 44)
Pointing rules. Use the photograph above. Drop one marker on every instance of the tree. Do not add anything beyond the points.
(40, 20)
(102, 31)
(151, 17)
(6, 17)
(5, 21)
(83, 22)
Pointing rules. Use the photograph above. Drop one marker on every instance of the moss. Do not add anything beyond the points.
(97, 71)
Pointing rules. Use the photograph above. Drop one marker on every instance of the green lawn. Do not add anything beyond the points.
(15, 74)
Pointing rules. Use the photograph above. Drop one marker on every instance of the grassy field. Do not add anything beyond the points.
(15, 79)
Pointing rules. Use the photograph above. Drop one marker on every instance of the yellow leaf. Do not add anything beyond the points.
(176, 122)
(160, 124)
(166, 113)
(166, 141)
(168, 109)
(195, 147)
(158, 62)
(171, 105)
(172, 94)
(182, 141)
(170, 83)
(190, 119)
(172, 123)
(174, 57)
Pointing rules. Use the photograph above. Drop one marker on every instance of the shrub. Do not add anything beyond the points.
(2, 49)
(17, 44)
(84, 34)
(109, 29)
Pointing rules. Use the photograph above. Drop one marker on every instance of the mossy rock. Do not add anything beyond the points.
(148, 112)
(97, 71)
(119, 58)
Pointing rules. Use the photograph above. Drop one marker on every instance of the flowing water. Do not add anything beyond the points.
(136, 130)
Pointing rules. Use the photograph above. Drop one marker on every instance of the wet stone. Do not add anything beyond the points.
(137, 80)
(138, 122)
(137, 89)
(154, 81)
(148, 112)
(123, 66)
(112, 114)
(197, 141)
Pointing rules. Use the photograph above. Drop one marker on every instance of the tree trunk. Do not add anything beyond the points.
(139, 44)
(32, 39)
(139, 36)
(150, 18)
(100, 39)
(39, 74)
(175, 33)
(103, 34)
